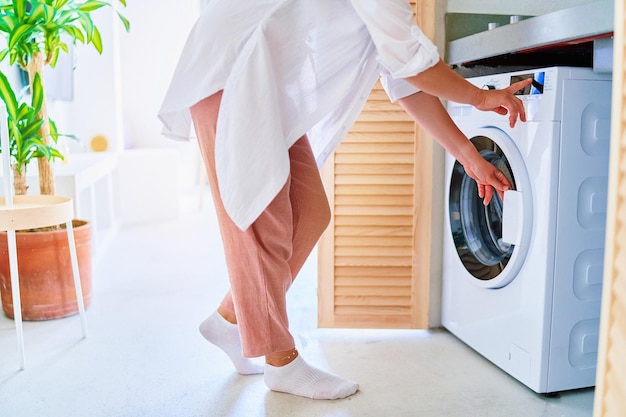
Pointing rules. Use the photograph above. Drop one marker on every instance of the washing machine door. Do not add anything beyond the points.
(491, 241)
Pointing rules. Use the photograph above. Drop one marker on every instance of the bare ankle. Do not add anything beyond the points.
(282, 358)
(228, 316)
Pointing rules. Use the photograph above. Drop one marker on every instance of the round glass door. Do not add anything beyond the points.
(477, 229)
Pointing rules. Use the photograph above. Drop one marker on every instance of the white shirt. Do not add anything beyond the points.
(288, 68)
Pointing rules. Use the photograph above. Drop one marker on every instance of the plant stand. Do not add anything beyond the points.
(28, 212)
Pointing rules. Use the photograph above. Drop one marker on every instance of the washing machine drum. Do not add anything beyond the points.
(476, 228)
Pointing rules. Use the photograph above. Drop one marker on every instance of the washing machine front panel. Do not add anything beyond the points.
(510, 324)
(543, 99)
(477, 230)
(495, 318)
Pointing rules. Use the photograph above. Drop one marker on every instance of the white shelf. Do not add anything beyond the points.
(575, 24)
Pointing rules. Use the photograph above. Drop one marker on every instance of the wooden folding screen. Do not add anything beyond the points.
(374, 260)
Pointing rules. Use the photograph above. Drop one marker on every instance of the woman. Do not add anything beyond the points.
(272, 86)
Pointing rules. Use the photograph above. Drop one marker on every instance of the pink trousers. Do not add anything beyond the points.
(264, 260)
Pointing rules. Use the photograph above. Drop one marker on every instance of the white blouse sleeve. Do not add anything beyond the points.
(403, 49)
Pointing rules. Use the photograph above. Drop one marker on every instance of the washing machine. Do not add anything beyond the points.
(522, 277)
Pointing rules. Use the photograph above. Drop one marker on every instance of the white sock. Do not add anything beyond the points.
(225, 335)
(300, 378)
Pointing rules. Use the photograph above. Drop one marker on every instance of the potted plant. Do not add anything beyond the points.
(36, 33)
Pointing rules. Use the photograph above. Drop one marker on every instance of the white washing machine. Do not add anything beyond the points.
(522, 278)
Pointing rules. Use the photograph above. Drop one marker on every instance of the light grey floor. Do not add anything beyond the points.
(145, 357)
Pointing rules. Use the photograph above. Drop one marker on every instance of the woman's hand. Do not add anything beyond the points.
(428, 111)
(488, 178)
(504, 101)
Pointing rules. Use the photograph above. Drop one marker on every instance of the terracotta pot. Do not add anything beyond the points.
(45, 272)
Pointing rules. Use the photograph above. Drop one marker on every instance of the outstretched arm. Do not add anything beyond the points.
(429, 113)
(441, 81)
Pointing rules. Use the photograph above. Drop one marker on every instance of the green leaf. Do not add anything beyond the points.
(60, 3)
(97, 40)
(90, 6)
(32, 128)
(55, 154)
(7, 23)
(36, 149)
(65, 18)
(88, 27)
(42, 14)
(54, 59)
(8, 96)
(18, 34)
(19, 8)
(37, 93)
(75, 33)
(124, 21)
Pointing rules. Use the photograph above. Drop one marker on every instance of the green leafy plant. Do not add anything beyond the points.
(24, 124)
(37, 31)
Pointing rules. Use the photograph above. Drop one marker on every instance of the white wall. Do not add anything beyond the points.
(136, 65)
(118, 94)
(149, 55)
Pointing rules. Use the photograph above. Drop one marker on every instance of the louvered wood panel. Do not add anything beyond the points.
(370, 243)
(367, 258)
(610, 398)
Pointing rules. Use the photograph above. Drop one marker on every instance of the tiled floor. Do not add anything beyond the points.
(145, 357)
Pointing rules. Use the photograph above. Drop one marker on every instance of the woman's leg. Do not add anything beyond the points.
(309, 220)
(263, 260)
(256, 257)
(221, 327)
(257, 263)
